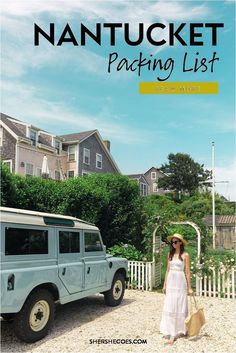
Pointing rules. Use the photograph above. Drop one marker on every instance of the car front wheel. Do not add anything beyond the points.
(114, 296)
(34, 320)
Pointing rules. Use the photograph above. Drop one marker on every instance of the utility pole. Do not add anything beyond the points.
(213, 196)
(212, 182)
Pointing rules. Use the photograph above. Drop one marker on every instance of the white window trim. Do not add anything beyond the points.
(72, 160)
(98, 154)
(1, 136)
(153, 187)
(143, 187)
(56, 170)
(54, 145)
(33, 169)
(36, 136)
(5, 161)
(37, 168)
(77, 160)
(86, 149)
(155, 175)
(72, 170)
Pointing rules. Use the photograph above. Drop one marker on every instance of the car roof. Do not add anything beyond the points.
(16, 215)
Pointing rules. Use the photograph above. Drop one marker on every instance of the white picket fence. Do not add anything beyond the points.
(219, 284)
(141, 274)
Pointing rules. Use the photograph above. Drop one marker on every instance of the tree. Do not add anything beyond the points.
(182, 174)
(200, 205)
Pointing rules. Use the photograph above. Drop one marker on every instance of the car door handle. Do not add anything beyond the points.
(63, 271)
(88, 270)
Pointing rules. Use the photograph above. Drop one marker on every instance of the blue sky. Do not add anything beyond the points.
(68, 89)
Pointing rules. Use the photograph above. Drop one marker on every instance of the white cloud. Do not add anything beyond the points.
(227, 173)
(18, 18)
(31, 106)
(108, 10)
(225, 177)
(17, 62)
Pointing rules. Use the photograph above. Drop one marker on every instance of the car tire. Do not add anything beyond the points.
(114, 296)
(36, 317)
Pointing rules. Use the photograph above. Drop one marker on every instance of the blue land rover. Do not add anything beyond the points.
(48, 258)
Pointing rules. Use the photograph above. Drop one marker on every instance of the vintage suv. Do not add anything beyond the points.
(48, 258)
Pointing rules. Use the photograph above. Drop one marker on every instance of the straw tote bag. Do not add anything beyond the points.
(195, 319)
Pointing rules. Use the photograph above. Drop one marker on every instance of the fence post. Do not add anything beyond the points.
(209, 286)
(228, 283)
(223, 284)
(143, 275)
(233, 283)
(150, 274)
(214, 282)
(219, 284)
(146, 277)
(197, 288)
(205, 285)
(136, 274)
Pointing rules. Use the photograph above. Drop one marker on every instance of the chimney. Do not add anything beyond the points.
(107, 144)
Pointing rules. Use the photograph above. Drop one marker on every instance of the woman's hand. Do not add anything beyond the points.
(164, 290)
(190, 291)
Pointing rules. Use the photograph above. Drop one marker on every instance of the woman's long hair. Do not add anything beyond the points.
(172, 251)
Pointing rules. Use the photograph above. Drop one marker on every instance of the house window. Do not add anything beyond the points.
(155, 187)
(71, 174)
(57, 175)
(143, 189)
(98, 161)
(38, 172)
(8, 163)
(71, 153)
(86, 156)
(1, 136)
(33, 137)
(29, 169)
(58, 146)
(153, 175)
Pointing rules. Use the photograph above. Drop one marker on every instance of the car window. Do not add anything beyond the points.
(23, 241)
(69, 242)
(92, 242)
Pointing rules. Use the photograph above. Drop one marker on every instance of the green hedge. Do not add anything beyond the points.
(110, 201)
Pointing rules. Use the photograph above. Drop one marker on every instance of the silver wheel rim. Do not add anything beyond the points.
(117, 289)
(39, 315)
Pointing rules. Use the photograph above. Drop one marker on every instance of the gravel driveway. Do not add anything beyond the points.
(138, 317)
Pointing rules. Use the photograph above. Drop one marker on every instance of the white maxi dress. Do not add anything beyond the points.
(175, 308)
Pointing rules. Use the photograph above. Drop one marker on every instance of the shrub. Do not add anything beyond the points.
(126, 250)
(110, 201)
(8, 192)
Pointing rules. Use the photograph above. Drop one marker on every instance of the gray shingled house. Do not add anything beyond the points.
(143, 184)
(148, 182)
(23, 147)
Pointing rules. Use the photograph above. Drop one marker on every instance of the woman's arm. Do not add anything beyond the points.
(187, 271)
(166, 276)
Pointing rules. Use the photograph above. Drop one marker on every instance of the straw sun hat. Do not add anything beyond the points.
(179, 236)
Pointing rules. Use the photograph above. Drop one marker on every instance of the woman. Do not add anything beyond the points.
(176, 289)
